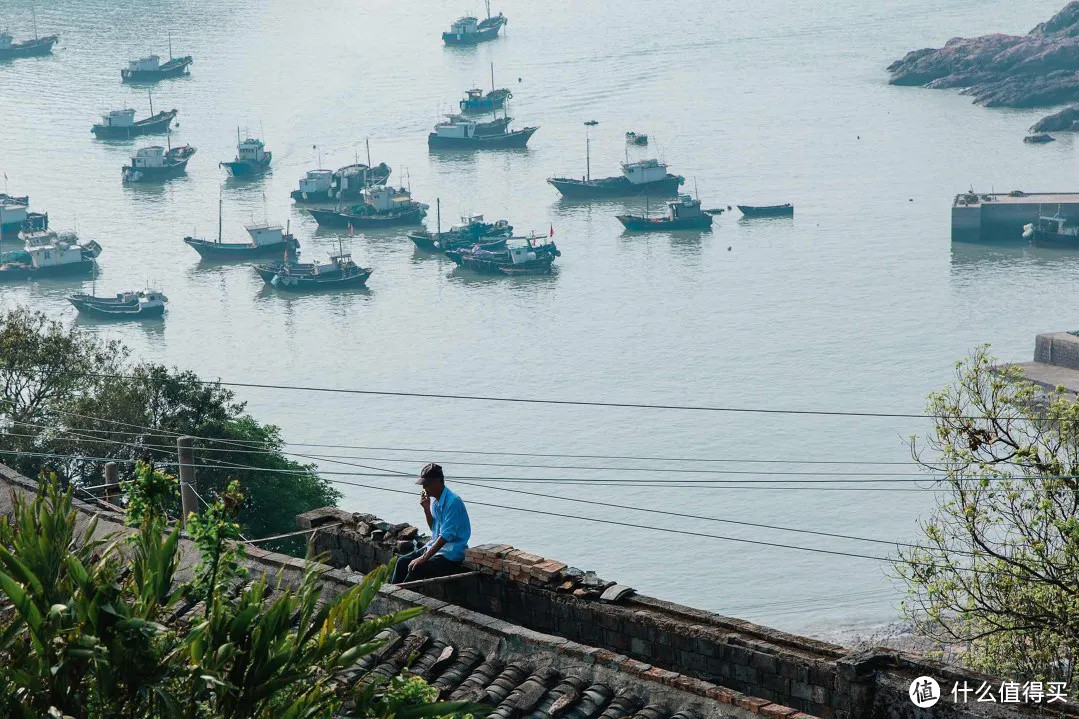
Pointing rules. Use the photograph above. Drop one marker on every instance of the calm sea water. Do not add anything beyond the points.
(861, 302)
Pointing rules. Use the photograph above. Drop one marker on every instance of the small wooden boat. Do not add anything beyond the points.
(460, 134)
(37, 47)
(470, 31)
(266, 239)
(155, 163)
(125, 305)
(682, 214)
(51, 254)
(122, 123)
(383, 206)
(634, 139)
(151, 69)
(1052, 231)
(252, 158)
(786, 210)
(508, 256)
(645, 177)
(339, 272)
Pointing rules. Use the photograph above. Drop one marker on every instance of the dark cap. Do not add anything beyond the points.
(429, 473)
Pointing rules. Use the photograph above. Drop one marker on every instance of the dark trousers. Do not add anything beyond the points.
(436, 566)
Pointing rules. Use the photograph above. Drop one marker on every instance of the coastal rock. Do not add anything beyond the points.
(1039, 139)
(1038, 69)
(1067, 120)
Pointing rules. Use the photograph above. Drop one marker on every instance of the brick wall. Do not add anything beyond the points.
(769, 666)
(1057, 348)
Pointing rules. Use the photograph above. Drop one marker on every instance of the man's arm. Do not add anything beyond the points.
(431, 551)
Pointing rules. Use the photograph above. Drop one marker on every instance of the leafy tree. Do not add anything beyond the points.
(67, 394)
(998, 576)
(90, 630)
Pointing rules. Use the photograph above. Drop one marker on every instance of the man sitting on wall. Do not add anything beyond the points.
(450, 529)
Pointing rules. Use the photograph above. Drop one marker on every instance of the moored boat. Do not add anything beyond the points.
(508, 256)
(382, 206)
(459, 133)
(347, 183)
(151, 69)
(471, 229)
(784, 210)
(682, 214)
(266, 239)
(644, 177)
(469, 30)
(634, 138)
(293, 276)
(1052, 231)
(48, 254)
(37, 47)
(125, 305)
(122, 123)
(252, 158)
(156, 163)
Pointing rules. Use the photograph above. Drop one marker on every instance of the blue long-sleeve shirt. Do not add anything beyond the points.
(450, 521)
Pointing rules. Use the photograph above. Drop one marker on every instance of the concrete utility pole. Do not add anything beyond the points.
(112, 483)
(185, 451)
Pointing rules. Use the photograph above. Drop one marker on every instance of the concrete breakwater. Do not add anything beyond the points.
(1001, 216)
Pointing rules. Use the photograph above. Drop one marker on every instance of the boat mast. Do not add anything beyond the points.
(368, 141)
(170, 47)
(492, 77)
(588, 149)
(438, 217)
(219, 203)
(33, 13)
(488, 2)
(150, 95)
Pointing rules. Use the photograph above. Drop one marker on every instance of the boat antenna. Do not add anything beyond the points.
(368, 141)
(438, 216)
(170, 47)
(237, 137)
(33, 13)
(318, 154)
(588, 149)
(168, 137)
(151, 96)
(696, 191)
(219, 204)
(492, 77)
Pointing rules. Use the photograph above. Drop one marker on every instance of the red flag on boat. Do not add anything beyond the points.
(552, 231)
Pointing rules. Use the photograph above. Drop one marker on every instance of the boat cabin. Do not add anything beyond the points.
(465, 26)
(316, 181)
(386, 199)
(145, 64)
(12, 212)
(521, 253)
(5, 40)
(251, 150)
(119, 118)
(684, 208)
(265, 234)
(149, 157)
(644, 171)
(1057, 225)
(49, 249)
(456, 130)
(351, 177)
(468, 221)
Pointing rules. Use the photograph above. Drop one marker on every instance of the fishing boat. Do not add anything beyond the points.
(340, 272)
(470, 31)
(50, 254)
(634, 138)
(151, 69)
(266, 239)
(9, 49)
(154, 163)
(15, 216)
(347, 183)
(1052, 231)
(785, 210)
(476, 101)
(682, 214)
(382, 206)
(461, 134)
(472, 229)
(644, 177)
(508, 256)
(125, 305)
(252, 158)
(122, 123)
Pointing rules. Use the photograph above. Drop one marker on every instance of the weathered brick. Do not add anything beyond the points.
(722, 694)
(753, 704)
(763, 662)
(778, 711)
(527, 558)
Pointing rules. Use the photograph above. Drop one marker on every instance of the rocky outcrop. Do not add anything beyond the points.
(1067, 120)
(1038, 69)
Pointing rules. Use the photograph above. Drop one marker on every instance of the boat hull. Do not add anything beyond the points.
(771, 211)
(472, 38)
(1041, 238)
(248, 169)
(154, 174)
(173, 68)
(223, 251)
(333, 218)
(641, 223)
(515, 139)
(30, 48)
(15, 272)
(616, 187)
(155, 125)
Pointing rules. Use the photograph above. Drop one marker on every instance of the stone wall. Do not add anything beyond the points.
(769, 667)
(1057, 348)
